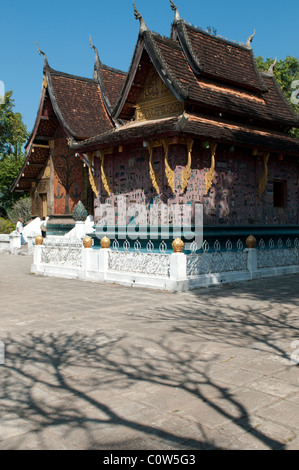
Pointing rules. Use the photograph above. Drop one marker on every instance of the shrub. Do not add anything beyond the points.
(22, 208)
(6, 226)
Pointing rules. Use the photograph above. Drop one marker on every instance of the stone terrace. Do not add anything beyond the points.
(92, 366)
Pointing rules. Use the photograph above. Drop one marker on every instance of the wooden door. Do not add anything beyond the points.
(43, 205)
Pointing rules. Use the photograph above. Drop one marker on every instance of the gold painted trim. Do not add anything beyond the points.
(103, 175)
(41, 146)
(158, 109)
(264, 179)
(107, 151)
(153, 173)
(45, 82)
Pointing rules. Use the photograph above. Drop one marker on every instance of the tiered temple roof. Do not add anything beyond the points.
(223, 94)
(81, 106)
(211, 88)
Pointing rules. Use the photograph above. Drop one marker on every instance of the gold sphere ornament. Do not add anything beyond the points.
(178, 245)
(39, 240)
(87, 242)
(105, 242)
(251, 242)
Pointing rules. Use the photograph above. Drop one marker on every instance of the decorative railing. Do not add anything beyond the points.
(137, 261)
(60, 251)
(161, 267)
(145, 263)
(278, 254)
(217, 261)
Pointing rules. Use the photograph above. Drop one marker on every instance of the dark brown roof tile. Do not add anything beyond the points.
(80, 104)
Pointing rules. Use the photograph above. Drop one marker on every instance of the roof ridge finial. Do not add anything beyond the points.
(43, 54)
(95, 49)
(138, 16)
(97, 61)
(270, 71)
(176, 10)
(249, 40)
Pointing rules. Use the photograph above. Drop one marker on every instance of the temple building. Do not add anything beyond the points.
(200, 124)
(192, 122)
(70, 107)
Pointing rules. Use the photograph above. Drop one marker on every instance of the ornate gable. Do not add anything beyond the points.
(156, 100)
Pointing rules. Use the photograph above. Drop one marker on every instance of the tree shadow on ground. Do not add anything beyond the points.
(78, 383)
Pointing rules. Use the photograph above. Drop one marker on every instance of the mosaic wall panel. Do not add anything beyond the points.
(233, 198)
(68, 177)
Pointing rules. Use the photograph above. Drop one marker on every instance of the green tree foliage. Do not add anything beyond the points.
(285, 72)
(13, 135)
(21, 208)
(6, 226)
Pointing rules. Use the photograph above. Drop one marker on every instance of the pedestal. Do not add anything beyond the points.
(80, 229)
(14, 241)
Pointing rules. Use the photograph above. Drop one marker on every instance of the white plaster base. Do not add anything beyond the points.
(94, 267)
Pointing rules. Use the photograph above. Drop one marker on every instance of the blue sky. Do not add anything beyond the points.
(62, 28)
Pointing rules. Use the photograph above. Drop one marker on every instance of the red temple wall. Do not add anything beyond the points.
(233, 198)
(68, 176)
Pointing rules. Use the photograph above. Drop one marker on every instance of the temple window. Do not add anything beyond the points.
(279, 193)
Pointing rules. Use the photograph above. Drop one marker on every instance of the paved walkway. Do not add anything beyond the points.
(91, 366)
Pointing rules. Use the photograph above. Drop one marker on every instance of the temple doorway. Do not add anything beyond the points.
(43, 205)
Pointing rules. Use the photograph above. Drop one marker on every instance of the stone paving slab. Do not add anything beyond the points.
(92, 366)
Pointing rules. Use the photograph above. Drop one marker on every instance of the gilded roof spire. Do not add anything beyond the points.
(176, 10)
(138, 16)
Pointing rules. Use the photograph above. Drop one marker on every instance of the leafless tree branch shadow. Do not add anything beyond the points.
(62, 381)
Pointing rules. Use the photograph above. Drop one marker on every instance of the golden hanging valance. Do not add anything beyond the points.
(211, 173)
(264, 179)
(168, 171)
(153, 173)
(90, 175)
(187, 172)
(103, 175)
